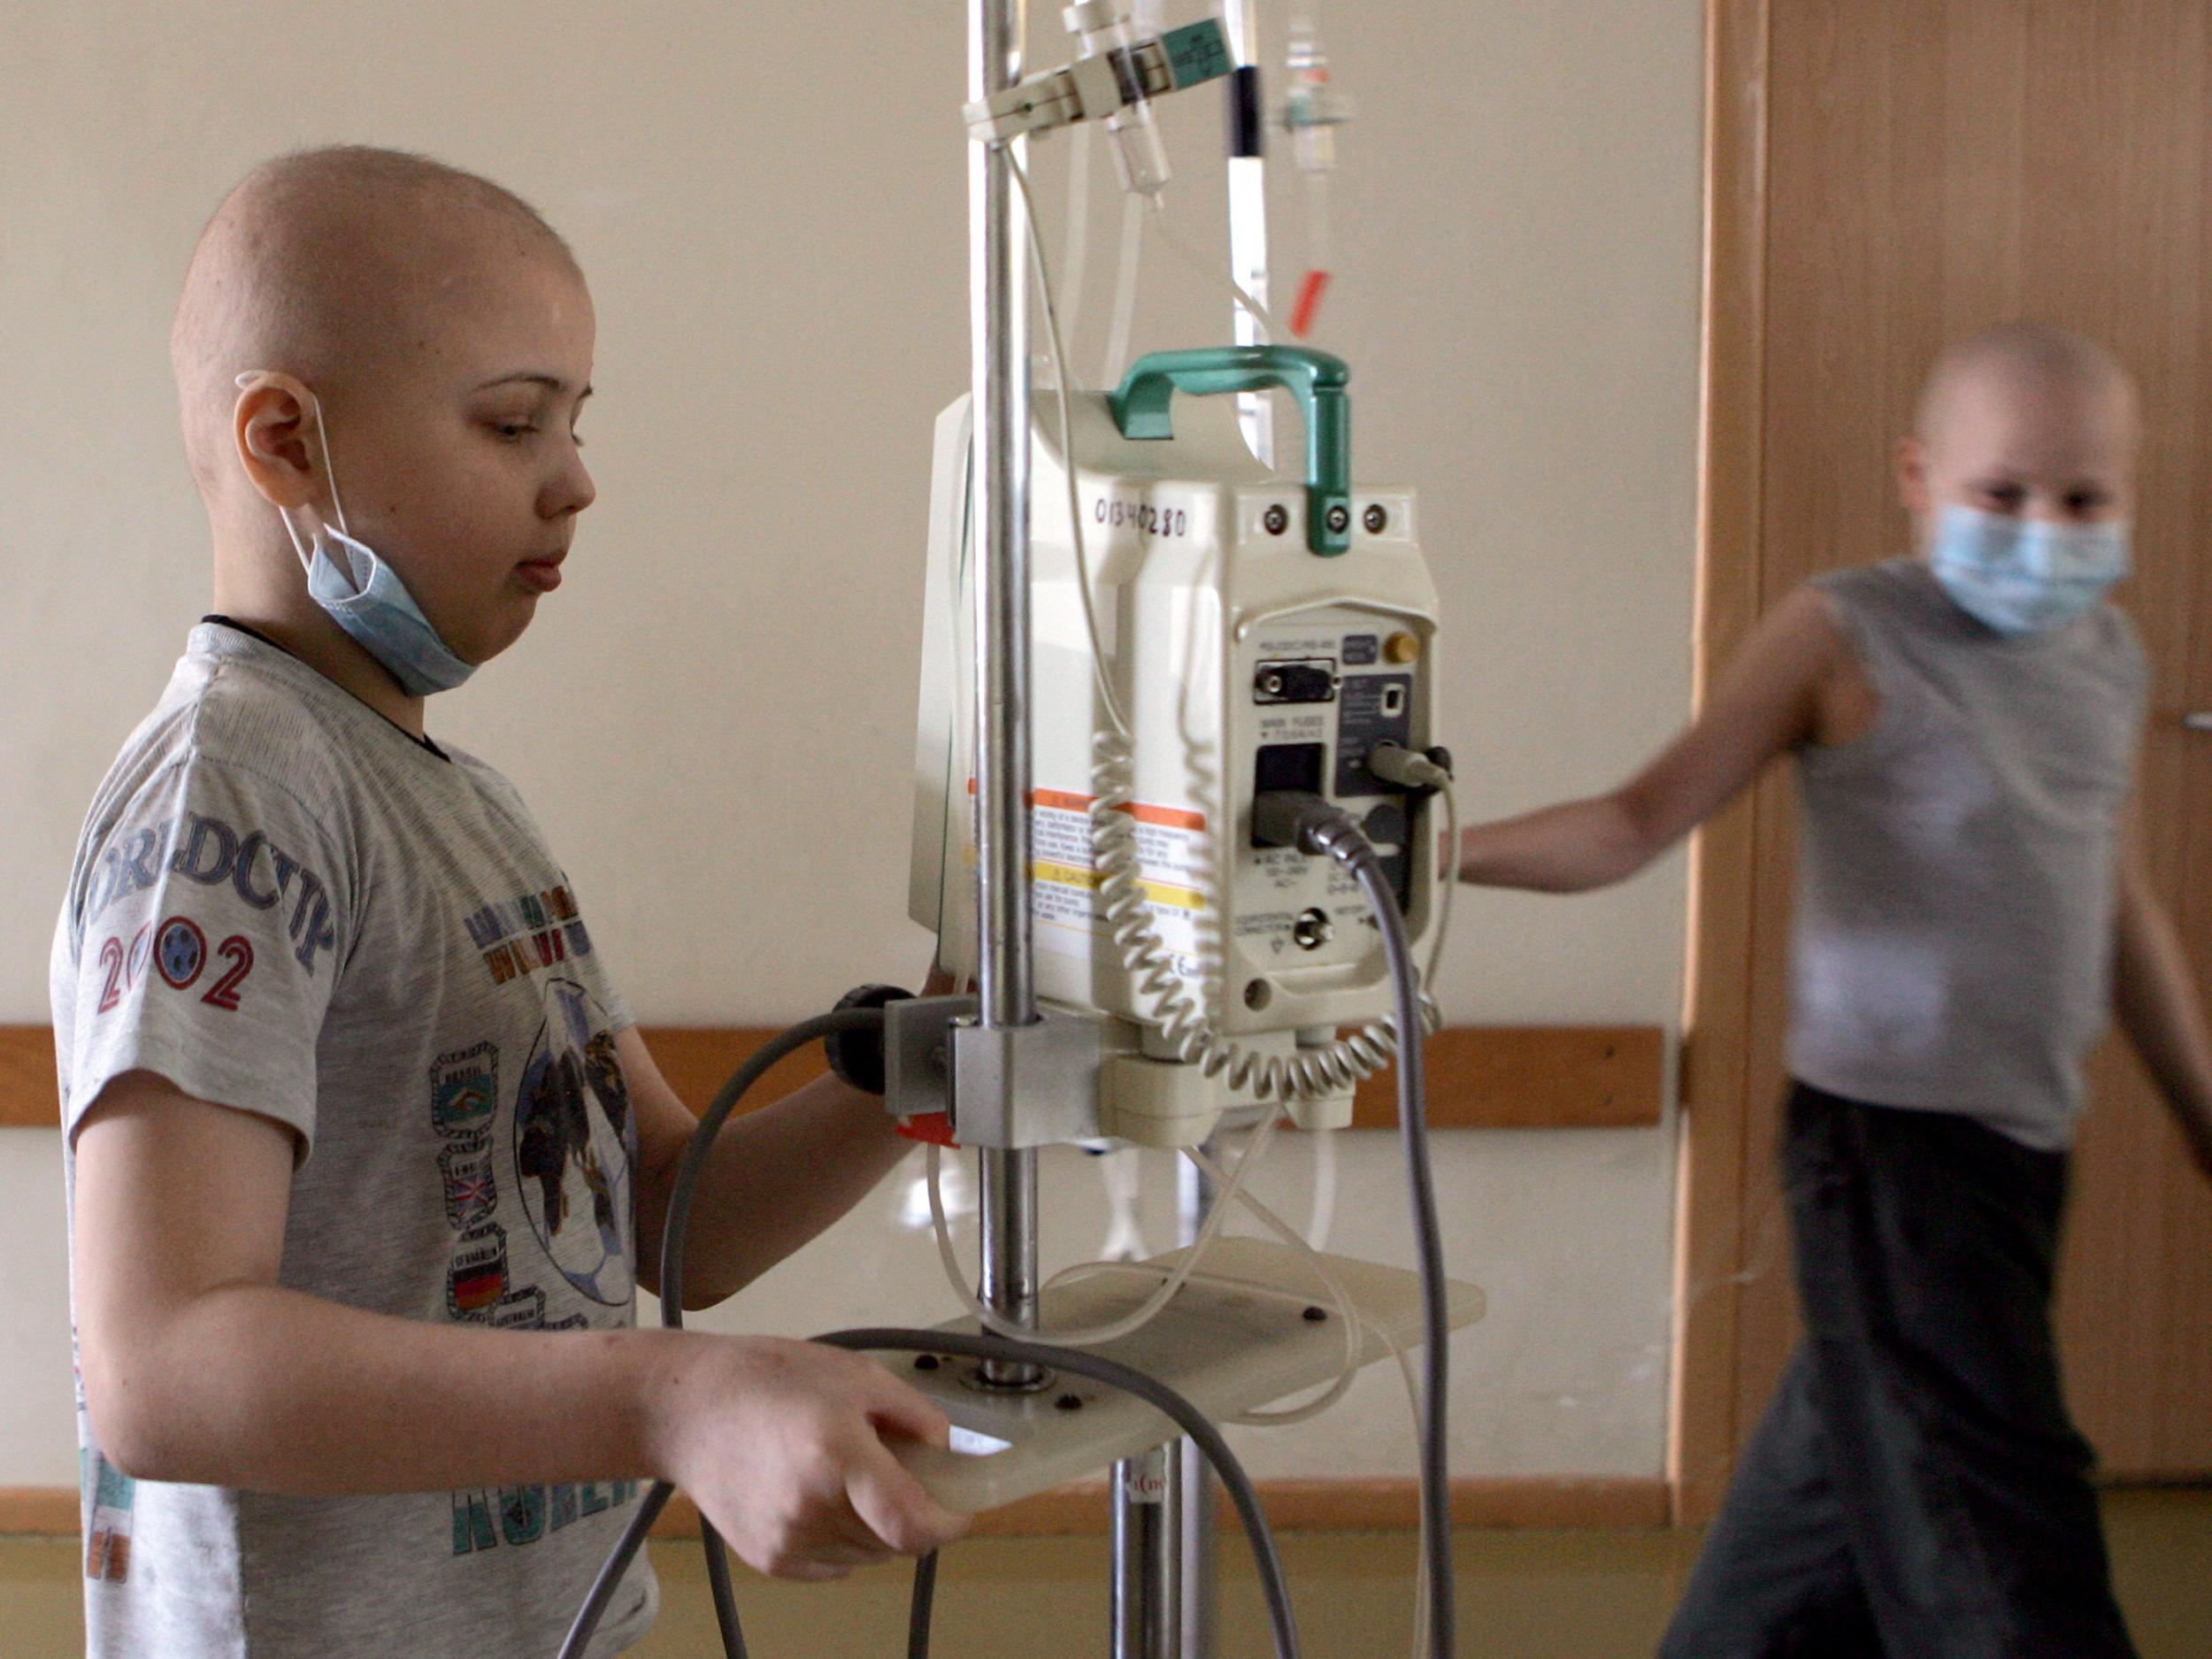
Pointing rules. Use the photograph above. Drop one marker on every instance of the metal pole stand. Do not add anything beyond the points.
(1148, 1621)
(999, 363)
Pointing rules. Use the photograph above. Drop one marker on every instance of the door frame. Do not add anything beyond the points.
(1711, 1203)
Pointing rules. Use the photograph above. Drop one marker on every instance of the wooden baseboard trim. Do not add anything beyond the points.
(28, 1098)
(1480, 1077)
(38, 1511)
(1383, 1505)
(1527, 1504)
(1591, 1504)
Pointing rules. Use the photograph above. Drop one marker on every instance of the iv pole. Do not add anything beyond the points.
(1191, 1604)
(1147, 1564)
(999, 367)
(1162, 1538)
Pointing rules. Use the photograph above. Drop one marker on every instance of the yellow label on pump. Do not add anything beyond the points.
(1158, 892)
(1171, 841)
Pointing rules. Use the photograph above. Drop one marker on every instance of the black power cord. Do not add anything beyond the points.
(920, 1605)
(674, 1229)
(1283, 817)
(1289, 817)
(1274, 1587)
(1186, 1416)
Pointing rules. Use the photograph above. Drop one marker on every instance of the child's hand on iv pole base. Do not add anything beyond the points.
(781, 1446)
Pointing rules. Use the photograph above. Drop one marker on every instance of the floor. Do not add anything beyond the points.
(1524, 1596)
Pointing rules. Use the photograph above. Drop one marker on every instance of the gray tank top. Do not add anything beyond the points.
(1958, 864)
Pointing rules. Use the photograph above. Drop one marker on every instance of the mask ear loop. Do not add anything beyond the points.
(245, 382)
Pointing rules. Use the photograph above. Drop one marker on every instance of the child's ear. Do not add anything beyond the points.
(272, 427)
(1911, 462)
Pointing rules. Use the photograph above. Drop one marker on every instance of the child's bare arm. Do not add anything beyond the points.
(198, 1367)
(775, 1178)
(2157, 1000)
(1794, 680)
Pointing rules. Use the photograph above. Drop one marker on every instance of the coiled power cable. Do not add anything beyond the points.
(1178, 1010)
(1287, 819)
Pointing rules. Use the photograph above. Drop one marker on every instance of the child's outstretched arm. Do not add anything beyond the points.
(1795, 681)
(199, 1366)
(775, 1178)
(2157, 1000)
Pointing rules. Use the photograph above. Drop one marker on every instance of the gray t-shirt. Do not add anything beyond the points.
(284, 904)
(1959, 863)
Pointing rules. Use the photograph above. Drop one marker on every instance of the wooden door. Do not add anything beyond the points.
(1889, 174)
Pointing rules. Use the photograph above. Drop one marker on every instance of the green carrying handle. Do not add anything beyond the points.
(1315, 378)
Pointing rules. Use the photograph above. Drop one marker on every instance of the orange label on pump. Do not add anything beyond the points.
(1063, 801)
(1172, 872)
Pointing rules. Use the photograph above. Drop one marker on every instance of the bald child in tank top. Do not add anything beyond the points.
(1972, 910)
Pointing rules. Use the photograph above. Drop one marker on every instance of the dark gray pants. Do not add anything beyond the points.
(1916, 1490)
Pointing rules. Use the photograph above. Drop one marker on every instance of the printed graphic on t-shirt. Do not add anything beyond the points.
(464, 1101)
(529, 933)
(471, 1187)
(110, 1498)
(179, 953)
(516, 1516)
(575, 1144)
(206, 850)
(573, 1149)
(465, 1090)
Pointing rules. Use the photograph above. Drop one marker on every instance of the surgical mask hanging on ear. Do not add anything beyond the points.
(365, 595)
(2025, 576)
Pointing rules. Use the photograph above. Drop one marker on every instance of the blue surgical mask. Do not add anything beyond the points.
(2021, 576)
(365, 595)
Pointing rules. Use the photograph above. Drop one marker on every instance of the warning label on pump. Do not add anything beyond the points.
(1172, 856)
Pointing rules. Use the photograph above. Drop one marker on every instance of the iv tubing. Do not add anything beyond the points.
(1347, 1309)
(1124, 291)
(1322, 1221)
(1136, 1317)
(1077, 261)
(1283, 1230)
(1266, 319)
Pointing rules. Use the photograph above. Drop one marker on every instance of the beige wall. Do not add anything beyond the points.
(769, 203)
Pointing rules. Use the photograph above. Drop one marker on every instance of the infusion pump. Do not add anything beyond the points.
(1257, 634)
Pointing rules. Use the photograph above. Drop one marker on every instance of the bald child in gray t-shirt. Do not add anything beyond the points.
(287, 904)
(366, 1156)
